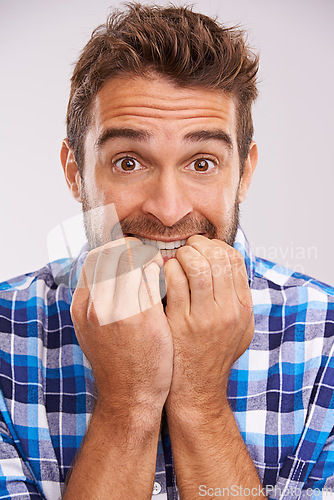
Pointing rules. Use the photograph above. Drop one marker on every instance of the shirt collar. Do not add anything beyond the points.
(242, 245)
(76, 268)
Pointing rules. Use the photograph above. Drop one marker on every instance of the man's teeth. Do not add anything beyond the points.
(163, 245)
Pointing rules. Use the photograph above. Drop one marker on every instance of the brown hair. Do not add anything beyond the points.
(188, 48)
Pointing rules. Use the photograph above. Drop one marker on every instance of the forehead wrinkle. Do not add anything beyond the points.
(164, 114)
(158, 100)
(171, 106)
(140, 97)
(137, 108)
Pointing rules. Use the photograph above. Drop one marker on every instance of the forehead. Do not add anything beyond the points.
(159, 106)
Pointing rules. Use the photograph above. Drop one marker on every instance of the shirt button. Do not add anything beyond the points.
(156, 488)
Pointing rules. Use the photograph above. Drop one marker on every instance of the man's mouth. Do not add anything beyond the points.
(166, 248)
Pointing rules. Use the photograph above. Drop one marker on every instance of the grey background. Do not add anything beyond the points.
(288, 214)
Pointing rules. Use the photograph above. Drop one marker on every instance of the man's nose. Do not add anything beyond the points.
(167, 200)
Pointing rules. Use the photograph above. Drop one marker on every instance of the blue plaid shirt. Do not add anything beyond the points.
(281, 389)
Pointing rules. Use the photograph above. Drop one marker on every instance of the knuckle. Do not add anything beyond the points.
(216, 270)
(247, 302)
(202, 268)
(248, 313)
(178, 281)
(74, 310)
(126, 258)
(207, 323)
(90, 258)
(77, 309)
(183, 251)
(195, 238)
(89, 264)
(199, 265)
(231, 317)
(93, 254)
(128, 261)
(235, 257)
(219, 253)
(106, 252)
(92, 317)
(138, 256)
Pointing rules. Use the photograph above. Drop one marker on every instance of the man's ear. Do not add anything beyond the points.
(71, 171)
(249, 167)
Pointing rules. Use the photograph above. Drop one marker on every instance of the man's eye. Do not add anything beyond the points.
(127, 164)
(202, 165)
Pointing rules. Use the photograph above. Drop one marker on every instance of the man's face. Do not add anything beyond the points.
(163, 161)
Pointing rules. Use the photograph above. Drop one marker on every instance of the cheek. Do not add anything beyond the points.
(213, 204)
(93, 188)
(126, 202)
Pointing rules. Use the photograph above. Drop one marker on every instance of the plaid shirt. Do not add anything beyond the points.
(281, 389)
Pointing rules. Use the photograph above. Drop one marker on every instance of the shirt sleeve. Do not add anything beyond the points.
(16, 479)
(320, 483)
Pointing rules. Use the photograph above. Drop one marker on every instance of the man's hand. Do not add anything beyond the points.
(123, 331)
(121, 326)
(209, 310)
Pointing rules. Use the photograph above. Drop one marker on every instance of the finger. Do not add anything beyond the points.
(178, 296)
(82, 293)
(111, 250)
(240, 279)
(86, 278)
(109, 255)
(138, 256)
(198, 272)
(149, 289)
(105, 277)
(80, 301)
(217, 253)
(222, 279)
(117, 298)
(126, 302)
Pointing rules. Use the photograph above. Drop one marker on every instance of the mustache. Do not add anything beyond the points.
(146, 227)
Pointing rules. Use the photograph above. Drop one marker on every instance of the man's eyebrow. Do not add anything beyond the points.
(127, 133)
(209, 135)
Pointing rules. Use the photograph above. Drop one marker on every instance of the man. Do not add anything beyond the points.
(232, 372)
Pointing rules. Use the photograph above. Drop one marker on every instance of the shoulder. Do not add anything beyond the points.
(50, 276)
(34, 322)
(292, 307)
(32, 296)
(289, 285)
(285, 278)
